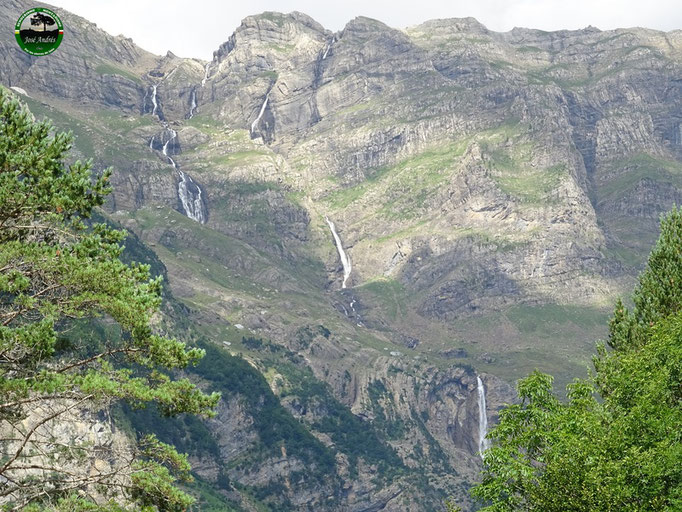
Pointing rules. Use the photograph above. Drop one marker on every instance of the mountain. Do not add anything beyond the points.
(491, 194)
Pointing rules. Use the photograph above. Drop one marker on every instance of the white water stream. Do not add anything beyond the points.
(154, 104)
(483, 443)
(345, 260)
(206, 70)
(164, 150)
(188, 191)
(260, 114)
(191, 201)
(193, 104)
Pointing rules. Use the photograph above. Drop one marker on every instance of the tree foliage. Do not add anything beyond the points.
(616, 444)
(56, 269)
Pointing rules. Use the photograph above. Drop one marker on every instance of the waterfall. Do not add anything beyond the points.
(154, 100)
(164, 150)
(345, 260)
(483, 443)
(356, 315)
(260, 114)
(326, 51)
(206, 70)
(189, 192)
(192, 104)
(190, 197)
(154, 104)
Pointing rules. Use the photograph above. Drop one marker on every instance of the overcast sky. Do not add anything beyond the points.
(194, 28)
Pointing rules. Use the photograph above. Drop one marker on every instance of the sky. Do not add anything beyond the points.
(181, 25)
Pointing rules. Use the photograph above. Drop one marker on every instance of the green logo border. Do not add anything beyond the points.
(60, 28)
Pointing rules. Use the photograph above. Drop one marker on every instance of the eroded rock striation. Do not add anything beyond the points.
(495, 192)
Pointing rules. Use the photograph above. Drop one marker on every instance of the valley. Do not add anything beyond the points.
(372, 232)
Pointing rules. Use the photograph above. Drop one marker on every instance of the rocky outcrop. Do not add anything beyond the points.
(473, 177)
(68, 446)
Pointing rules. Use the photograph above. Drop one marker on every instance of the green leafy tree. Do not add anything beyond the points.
(616, 443)
(56, 270)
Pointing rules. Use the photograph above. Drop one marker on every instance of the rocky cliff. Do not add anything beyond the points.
(493, 193)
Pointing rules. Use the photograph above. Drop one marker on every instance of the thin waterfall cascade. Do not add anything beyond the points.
(207, 68)
(165, 149)
(356, 315)
(192, 104)
(260, 114)
(189, 193)
(155, 104)
(326, 51)
(483, 442)
(345, 260)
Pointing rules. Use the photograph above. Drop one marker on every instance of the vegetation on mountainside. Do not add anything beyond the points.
(58, 270)
(616, 444)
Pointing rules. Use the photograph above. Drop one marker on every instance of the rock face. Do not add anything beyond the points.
(99, 452)
(494, 192)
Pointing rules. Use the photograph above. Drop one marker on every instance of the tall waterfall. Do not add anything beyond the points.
(192, 104)
(260, 114)
(154, 103)
(483, 443)
(189, 192)
(190, 197)
(326, 51)
(206, 70)
(164, 150)
(345, 260)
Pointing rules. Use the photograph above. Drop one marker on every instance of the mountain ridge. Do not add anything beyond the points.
(495, 192)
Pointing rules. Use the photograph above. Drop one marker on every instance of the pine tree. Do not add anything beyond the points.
(57, 270)
(616, 444)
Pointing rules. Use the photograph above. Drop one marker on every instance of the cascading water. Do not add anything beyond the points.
(154, 103)
(260, 114)
(345, 260)
(206, 70)
(326, 51)
(190, 197)
(164, 150)
(356, 315)
(189, 192)
(192, 104)
(483, 442)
